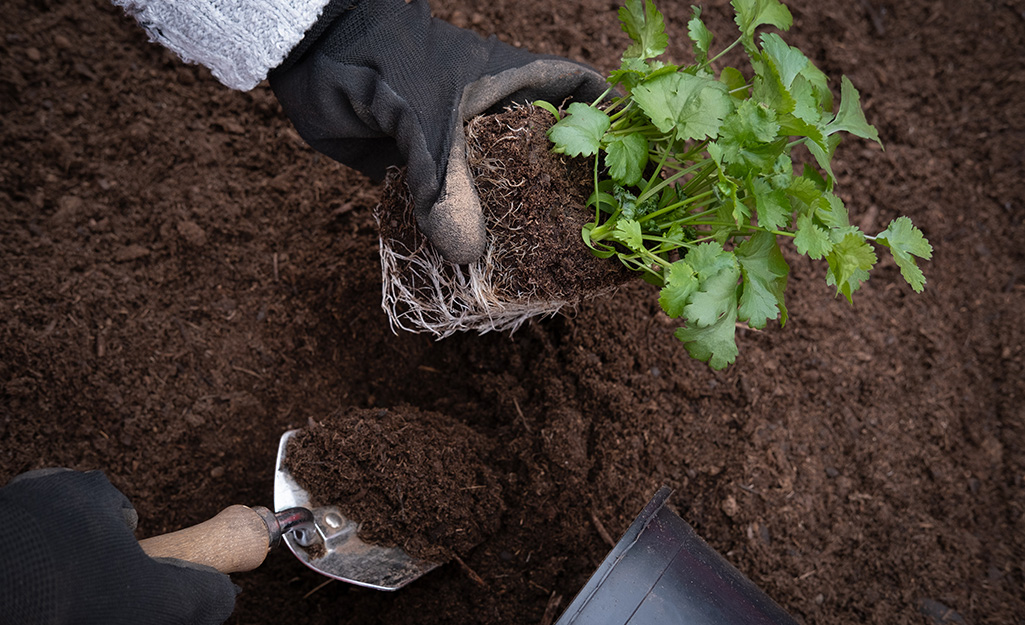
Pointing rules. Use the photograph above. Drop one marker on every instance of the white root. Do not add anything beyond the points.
(421, 292)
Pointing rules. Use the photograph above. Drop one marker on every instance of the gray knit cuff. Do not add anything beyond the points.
(239, 40)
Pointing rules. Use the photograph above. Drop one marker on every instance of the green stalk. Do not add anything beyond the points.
(737, 227)
(631, 129)
(654, 176)
(722, 53)
(599, 99)
(699, 178)
(652, 190)
(623, 111)
(673, 207)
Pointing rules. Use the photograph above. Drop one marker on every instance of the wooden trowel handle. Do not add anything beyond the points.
(236, 539)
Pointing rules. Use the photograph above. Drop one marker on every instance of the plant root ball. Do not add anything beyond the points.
(535, 262)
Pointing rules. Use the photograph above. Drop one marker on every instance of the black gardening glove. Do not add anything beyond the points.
(376, 83)
(68, 556)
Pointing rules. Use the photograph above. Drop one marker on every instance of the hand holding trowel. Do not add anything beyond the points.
(239, 538)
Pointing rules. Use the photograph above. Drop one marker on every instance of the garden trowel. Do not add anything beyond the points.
(239, 537)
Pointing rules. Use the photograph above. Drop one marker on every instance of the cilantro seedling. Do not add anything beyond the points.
(694, 181)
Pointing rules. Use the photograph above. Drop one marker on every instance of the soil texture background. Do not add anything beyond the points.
(182, 280)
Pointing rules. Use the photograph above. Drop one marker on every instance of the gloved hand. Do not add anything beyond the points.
(376, 83)
(68, 556)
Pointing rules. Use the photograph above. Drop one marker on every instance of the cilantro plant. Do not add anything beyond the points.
(695, 183)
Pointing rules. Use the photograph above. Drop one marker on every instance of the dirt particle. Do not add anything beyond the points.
(69, 209)
(131, 252)
(729, 506)
(192, 233)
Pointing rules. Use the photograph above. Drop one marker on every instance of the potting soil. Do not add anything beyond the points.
(183, 279)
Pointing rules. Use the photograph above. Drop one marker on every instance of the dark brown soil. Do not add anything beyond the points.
(412, 479)
(182, 279)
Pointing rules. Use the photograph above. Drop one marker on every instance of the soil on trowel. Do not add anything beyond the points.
(411, 479)
(534, 202)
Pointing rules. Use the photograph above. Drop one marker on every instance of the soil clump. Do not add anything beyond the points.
(413, 479)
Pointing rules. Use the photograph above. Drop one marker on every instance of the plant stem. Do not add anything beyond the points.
(723, 52)
(598, 100)
(699, 178)
(672, 207)
(653, 190)
(726, 224)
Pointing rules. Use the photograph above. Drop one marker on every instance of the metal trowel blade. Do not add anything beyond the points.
(334, 549)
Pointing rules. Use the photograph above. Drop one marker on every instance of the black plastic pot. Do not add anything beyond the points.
(661, 572)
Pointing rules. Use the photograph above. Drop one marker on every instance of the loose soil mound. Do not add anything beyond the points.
(182, 280)
(412, 479)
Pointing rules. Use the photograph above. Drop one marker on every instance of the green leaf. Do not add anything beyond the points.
(818, 183)
(792, 126)
(764, 273)
(806, 105)
(628, 78)
(782, 173)
(628, 205)
(644, 24)
(731, 208)
(849, 263)
(699, 35)
(715, 344)
(789, 61)
(850, 117)
(831, 211)
(579, 133)
(708, 259)
(811, 240)
(746, 137)
(735, 82)
(628, 232)
(690, 107)
(768, 89)
(905, 242)
(837, 234)
(824, 155)
(806, 189)
(772, 205)
(626, 156)
(715, 298)
(752, 122)
(548, 106)
(820, 85)
(676, 237)
(727, 207)
(718, 273)
(680, 283)
(754, 13)
(605, 202)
